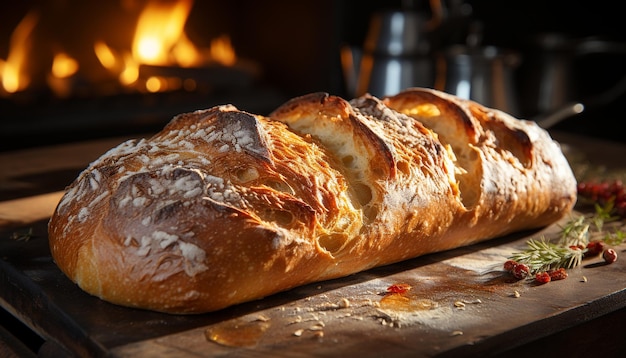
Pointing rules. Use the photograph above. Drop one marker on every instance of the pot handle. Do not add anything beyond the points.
(569, 110)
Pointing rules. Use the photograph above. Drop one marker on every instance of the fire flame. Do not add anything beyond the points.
(222, 51)
(159, 29)
(12, 72)
(185, 53)
(105, 55)
(64, 66)
(159, 40)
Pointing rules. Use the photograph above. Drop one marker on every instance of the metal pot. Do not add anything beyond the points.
(395, 55)
(550, 77)
(483, 74)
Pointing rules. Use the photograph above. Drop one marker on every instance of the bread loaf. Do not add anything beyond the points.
(224, 206)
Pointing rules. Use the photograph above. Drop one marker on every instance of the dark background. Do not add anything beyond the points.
(296, 43)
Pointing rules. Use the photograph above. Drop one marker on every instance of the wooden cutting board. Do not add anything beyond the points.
(461, 303)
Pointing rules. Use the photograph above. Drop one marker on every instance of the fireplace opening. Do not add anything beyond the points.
(75, 70)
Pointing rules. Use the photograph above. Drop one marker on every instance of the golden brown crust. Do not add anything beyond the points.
(223, 206)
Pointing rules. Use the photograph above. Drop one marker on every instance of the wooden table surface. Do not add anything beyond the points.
(462, 303)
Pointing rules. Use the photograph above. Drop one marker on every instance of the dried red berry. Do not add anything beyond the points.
(509, 265)
(609, 256)
(399, 288)
(521, 271)
(557, 274)
(604, 192)
(594, 248)
(542, 277)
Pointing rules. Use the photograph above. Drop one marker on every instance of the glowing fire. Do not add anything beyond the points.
(159, 40)
(63, 66)
(222, 51)
(107, 57)
(14, 77)
(159, 30)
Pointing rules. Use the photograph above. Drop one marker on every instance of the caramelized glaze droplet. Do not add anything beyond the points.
(237, 333)
(406, 303)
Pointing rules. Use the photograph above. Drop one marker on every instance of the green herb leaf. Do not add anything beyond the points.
(568, 252)
(543, 255)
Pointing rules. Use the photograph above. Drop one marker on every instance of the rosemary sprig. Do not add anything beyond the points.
(575, 232)
(568, 252)
(543, 255)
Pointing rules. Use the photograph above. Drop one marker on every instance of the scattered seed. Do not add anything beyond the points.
(343, 303)
(262, 318)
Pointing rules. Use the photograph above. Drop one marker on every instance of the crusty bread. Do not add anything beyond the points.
(223, 206)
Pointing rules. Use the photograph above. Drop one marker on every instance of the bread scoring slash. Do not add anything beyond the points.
(223, 206)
